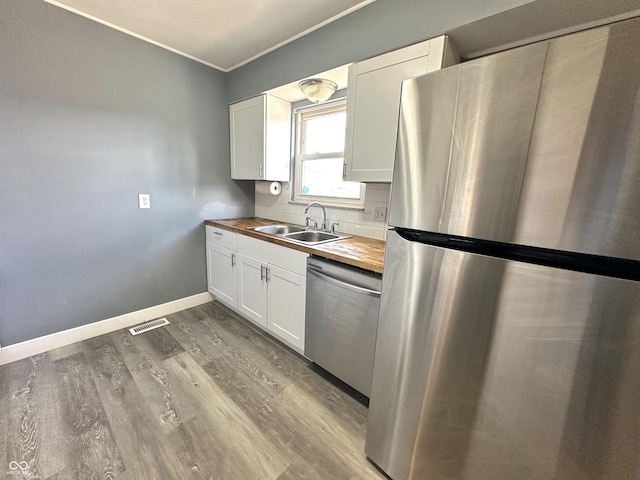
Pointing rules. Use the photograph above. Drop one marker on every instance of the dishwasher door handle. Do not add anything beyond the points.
(329, 279)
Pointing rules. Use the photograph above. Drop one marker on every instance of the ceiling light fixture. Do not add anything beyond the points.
(317, 89)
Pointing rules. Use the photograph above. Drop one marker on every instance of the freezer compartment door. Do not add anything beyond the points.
(463, 138)
(537, 145)
(487, 368)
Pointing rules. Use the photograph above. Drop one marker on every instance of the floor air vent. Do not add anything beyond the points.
(145, 327)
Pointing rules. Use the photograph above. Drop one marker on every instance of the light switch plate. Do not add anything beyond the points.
(144, 200)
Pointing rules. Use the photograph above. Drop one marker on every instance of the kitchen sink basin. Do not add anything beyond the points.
(278, 229)
(312, 236)
(297, 234)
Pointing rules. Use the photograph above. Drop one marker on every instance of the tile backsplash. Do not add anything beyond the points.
(354, 222)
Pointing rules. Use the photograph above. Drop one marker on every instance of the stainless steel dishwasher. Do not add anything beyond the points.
(342, 320)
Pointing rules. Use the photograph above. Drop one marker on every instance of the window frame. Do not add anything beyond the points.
(300, 114)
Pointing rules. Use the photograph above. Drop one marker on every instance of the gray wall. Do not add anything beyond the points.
(538, 20)
(89, 118)
(379, 27)
(475, 27)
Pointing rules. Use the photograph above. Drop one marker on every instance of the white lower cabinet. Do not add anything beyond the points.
(286, 305)
(222, 265)
(252, 289)
(272, 286)
(264, 282)
(273, 298)
(222, 273)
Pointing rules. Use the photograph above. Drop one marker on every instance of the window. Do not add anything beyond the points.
(318, 166)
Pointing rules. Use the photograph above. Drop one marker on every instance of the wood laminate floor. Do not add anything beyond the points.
(206, 397)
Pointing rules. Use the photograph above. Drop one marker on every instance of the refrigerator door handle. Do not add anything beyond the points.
(355, 288)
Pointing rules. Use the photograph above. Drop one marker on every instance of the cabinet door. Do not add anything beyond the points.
(371, 141)
(373, 102)
(277, 156)
(247, 120)
(286, 306)
(252, 289)
(221, 274)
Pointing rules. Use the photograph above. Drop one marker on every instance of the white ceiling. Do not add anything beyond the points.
(224, 34)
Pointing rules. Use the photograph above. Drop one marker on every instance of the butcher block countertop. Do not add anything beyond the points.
(362, 252)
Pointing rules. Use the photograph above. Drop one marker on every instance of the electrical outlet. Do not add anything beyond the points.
(379, 213)
(144, 200)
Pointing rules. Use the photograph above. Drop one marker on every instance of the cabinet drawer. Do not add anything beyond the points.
(221, 237)
(293, 260)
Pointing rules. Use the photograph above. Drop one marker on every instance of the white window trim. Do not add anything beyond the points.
(347, 203)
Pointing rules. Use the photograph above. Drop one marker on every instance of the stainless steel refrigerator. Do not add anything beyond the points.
(508, 344)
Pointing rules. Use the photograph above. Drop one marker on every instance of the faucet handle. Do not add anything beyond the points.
(333, 227)
(306, 221)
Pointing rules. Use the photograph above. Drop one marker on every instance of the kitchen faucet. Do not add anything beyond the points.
(324, 215)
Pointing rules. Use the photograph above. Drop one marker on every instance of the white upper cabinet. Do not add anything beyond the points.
(260, 138)
(373, 102)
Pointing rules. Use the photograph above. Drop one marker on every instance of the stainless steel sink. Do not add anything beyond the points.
(312, 237)
(298, 234)
(278, 230)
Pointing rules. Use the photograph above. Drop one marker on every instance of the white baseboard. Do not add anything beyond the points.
(18, 351)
